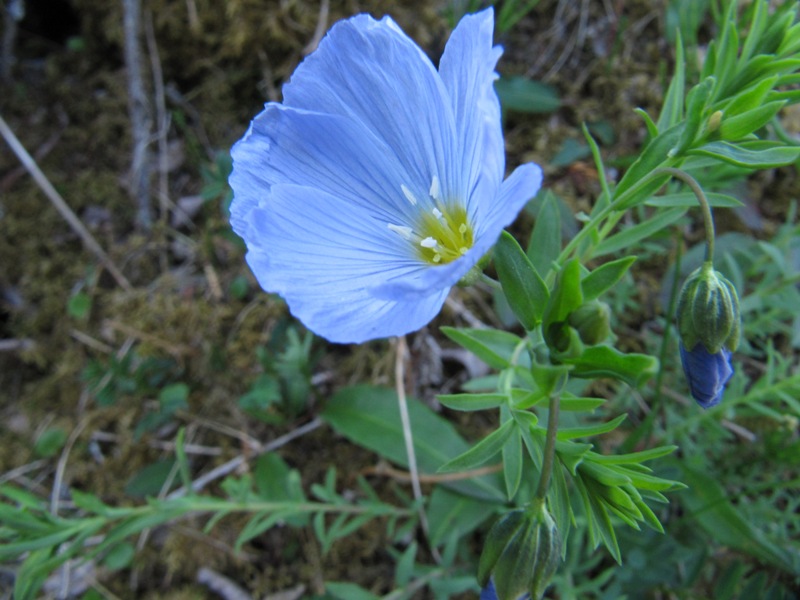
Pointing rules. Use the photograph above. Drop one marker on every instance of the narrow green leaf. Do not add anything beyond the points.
(739, 126)
(525, 291)
(672, 111)
(544, 245)
(470, 402)
(574, 404)
(708, 505)
(630, 236)
(481, 452)
(605, 361)
(512, 463)
(634, 457)
(630, 190)
(652, 128)
(605, 277)
(753, 155)
(689, 200)
(571, 433)
(493, 346)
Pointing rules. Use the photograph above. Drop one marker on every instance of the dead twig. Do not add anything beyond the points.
(139, 112)
(61, 206)
(221, 585)
(233, 464)
(384, 470)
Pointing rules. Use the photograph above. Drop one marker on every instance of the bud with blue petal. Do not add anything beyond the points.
(520, 556)
(709, 326)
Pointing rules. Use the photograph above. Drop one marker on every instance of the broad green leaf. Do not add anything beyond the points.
(525, 291)
(525, 95)
(450, 512)
(605, 361)
(481, 452)
(348, 591)
(544, 245)
(469, 402)
(605, 277)
(566, 297)
(150, 480)
(567, 294)
(630, 236)
(492, 346)
(369, 416)
(405, 565)
(689, 200)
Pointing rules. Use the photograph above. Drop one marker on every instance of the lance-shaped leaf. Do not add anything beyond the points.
(523, 287)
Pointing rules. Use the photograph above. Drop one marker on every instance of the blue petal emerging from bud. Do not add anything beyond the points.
(707, 373)
(489, 593)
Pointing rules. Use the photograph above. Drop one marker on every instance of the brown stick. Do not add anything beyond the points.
(139, 112)
(61, 206)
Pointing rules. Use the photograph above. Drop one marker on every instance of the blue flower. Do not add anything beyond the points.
(707, 373)
(378, 183)
(489, 593)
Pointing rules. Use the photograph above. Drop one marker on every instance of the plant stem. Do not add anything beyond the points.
(708, 219)
(549, 448)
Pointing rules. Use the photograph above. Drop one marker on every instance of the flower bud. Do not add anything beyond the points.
(706, 373)
(592, 322)
(709, 324)
(521, 553)
(708, 311)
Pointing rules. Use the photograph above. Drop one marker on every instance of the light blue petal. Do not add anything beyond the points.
(324, 261)
(371, 71)
(332, 153)
(519, 188)
(468, 71)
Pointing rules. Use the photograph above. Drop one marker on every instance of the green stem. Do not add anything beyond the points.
(708, 219)
(549, 448)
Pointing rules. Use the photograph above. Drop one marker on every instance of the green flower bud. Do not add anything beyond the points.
(708, 311)
(521, 554)
(592, 321)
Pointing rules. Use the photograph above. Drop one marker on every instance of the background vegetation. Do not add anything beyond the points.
(118, 397)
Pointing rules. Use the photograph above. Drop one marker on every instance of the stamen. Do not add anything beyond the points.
(434, 193)
(401, 230)
(462, 229)
(437, 213)
(428, 242)
(409, 196)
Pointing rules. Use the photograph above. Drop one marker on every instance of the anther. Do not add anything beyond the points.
(428, 242)
(401, 230)
(409, 196)
(434, 192)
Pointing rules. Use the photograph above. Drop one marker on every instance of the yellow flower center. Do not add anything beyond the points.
(442, 233)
